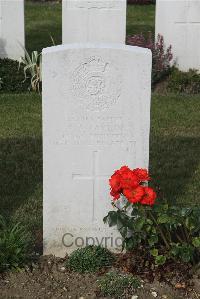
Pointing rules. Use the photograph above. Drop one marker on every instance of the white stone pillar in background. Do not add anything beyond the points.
(94, 21)
(179, 22)
(12, 36)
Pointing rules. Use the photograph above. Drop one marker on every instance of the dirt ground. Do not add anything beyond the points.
(49, 279)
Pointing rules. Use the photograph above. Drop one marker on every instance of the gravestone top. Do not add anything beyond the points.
(96, 115)
(94, 21)
(96, 45)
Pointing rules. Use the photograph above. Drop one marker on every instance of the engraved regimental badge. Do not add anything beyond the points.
(96, 84)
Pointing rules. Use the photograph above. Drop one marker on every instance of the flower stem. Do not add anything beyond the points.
(160, 230)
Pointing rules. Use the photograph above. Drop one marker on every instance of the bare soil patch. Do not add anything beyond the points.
(49, 279)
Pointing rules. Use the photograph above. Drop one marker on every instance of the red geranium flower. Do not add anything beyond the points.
(123, 169)
(134, 195)
(149, 196)
(128, 179)
(128, 182)
(114, 194)
(142, 174)
(115, 182)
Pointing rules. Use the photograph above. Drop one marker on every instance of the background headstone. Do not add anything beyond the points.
(94, 21)
(96, 118)
(12, 29)
(179, 22)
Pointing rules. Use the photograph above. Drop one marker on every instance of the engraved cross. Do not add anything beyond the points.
(94, 177)
(187, 22)
(97, 4)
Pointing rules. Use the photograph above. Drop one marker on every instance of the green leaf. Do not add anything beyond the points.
(160, 260)
(196, 242)
(139, 223)
(149, 221)
(148, 228)
(135, 211)
(111, 218)
(152, 240)
(186, 257)
(130, 243)
(189, 224)
(163, 219)
(123, 231)
(154, 252)
(153, 230)
(175, 249)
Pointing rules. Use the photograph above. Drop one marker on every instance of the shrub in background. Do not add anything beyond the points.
(117, 284)
(14, 245)
(161, 56)
(12, 77)
(184, 82)
(90, 259)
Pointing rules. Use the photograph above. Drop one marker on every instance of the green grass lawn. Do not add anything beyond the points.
(175, 146)
(140, 19)
(21, 157)
(43, 21)
(174, 142)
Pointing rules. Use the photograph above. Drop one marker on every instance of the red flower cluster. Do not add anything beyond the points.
(130, 183)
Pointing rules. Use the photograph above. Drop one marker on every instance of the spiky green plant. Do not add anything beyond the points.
(33, 69)
(14, 245)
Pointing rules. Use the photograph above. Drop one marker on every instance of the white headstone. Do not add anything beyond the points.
(96, 117)
(12, 38)
(94, 21)
(179, 22)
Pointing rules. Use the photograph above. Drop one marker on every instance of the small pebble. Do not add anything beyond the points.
(180, 285)
(154, 294)
(62, 269)
(134, 297)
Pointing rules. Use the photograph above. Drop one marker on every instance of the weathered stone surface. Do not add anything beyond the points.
(12, 38)
(179, 22)
(94, 21)
(96, 117)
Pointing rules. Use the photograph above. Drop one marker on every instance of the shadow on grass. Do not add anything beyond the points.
(41, 38)
(174, 165)
(20, 171)
(37, 41)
